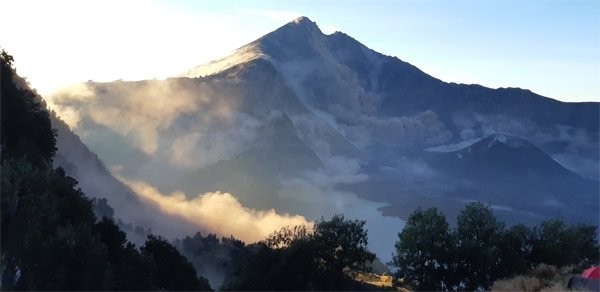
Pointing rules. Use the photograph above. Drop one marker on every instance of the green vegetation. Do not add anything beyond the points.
(423, 253)
(430, 256)
(216, 260)
(539, 278)
(296, 259)
(173, 271)
(51, 239)
(26, 130)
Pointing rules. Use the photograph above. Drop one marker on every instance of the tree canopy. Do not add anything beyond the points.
(431, 256)
(299, 259)
(425, 250)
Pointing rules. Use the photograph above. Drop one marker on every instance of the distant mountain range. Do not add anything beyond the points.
(299, 105)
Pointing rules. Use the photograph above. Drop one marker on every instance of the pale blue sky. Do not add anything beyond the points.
(551, 47)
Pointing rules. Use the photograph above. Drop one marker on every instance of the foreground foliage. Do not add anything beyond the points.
(542, 277)
(431, 256)
(299, 259)
(51, 239)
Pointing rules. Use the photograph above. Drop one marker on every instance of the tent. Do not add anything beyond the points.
(589, 280)
(591, 273)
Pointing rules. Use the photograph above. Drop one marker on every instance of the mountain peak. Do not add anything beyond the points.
(300, 38)
(499, 140)
(301, 25)
(511, 141)
(303, 20)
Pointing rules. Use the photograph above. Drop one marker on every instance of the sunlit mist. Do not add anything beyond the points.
(218, 212)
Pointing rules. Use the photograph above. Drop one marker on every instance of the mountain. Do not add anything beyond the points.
(520, 181)
(370, 96)
(504, 154)
(514, 172)
(298, 107)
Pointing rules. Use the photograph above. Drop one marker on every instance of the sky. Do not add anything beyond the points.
(551, 47)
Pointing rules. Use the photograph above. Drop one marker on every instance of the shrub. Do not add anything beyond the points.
(518, 283)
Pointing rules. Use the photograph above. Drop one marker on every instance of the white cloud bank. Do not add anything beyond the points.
(220, 213)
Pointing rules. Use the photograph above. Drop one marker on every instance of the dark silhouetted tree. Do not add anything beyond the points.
(47, 232)
(294, 259)
(130, 270)
(424, 250)
(344, 243)
(478, 234)
(516, 245)
(559, 244)
(26, 130)
(173, 271)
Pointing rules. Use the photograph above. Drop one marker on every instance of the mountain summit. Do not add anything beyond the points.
(287, 120)
(299, 39)
(498, 140)
(339, 75)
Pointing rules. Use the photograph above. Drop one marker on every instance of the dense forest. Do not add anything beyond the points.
(56, 238)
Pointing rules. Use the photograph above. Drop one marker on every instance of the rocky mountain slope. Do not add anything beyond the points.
(297, 106)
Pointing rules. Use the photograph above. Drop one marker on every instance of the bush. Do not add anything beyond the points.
(544, 272)
(518, 283)
(541, 278)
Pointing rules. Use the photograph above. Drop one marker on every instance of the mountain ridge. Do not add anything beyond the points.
(365, 115)
(309, 28)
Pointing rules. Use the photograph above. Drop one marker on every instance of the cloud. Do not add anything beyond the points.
(423, 128)
(471, 125)
(218, 212)
(334, 92)
(336, 170)
(574, 148)
(137, 111)
(182, 148)
(413, 169)
(491, 124)
(79, 92)
(180, 123)
(202, 145)
(453, 147)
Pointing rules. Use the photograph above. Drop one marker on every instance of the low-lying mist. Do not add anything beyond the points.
(219, 213)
